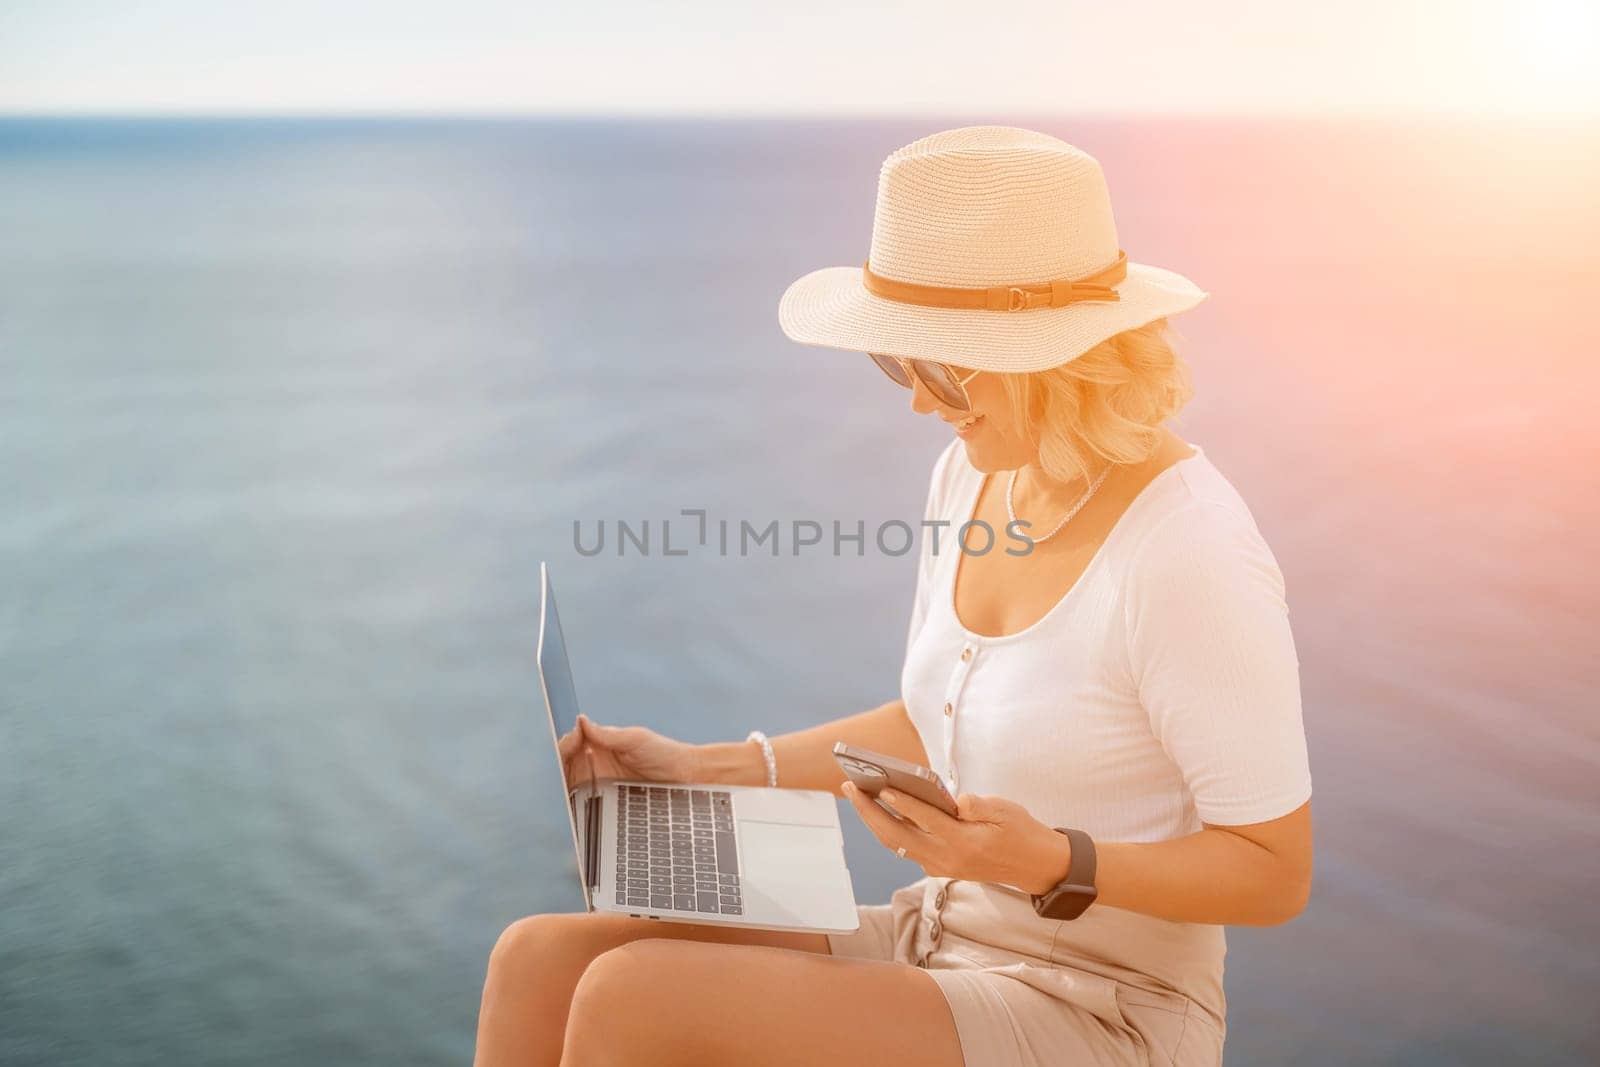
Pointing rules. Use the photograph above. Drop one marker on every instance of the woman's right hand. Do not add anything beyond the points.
(633, 752)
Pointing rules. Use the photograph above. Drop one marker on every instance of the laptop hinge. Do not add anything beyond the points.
(591, 850)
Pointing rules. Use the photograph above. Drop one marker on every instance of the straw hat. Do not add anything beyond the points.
(992, 248)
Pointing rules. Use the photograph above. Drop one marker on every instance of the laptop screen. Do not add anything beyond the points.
(561, 700)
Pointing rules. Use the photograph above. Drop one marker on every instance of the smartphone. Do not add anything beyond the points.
(872, 771)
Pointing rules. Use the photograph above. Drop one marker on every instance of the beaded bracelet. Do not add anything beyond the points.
(766, 754)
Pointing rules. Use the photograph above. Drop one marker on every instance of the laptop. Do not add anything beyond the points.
(723, 855)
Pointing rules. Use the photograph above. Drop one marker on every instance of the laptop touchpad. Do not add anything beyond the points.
(795, 875)
(774, 855)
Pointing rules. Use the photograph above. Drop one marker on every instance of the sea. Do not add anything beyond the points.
(291, 410)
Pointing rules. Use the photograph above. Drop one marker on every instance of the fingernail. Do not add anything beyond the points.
(889, 795)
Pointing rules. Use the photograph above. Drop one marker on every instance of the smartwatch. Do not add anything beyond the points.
(1076, 891)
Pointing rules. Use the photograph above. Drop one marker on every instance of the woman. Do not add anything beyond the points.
(1118, 706)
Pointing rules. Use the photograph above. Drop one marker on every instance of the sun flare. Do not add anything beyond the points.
(1560, 50)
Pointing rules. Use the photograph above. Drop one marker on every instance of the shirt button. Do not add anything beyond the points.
(939, 899)
(948, 710)
(934, 930)
(966, 654)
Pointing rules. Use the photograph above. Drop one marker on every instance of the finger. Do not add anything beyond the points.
(575, 768)
(620, 737)
(928, 818)
(890, 832)
(590, 728)
(885, 827)
(569, 743)
(974, 808)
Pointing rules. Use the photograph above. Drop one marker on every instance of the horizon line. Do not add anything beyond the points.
(972, 118)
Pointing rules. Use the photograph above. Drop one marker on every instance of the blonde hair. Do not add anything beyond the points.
(1108, 403)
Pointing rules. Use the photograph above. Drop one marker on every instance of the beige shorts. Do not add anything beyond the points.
(1015, 1003)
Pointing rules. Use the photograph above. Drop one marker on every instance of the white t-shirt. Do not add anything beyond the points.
(1162, 691)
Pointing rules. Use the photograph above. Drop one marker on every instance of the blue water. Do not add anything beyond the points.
(290, 411)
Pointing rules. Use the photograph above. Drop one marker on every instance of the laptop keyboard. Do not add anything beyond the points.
(676, 851)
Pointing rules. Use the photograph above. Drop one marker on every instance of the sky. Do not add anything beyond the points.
(834, 57)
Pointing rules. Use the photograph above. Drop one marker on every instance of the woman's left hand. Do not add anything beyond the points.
(992, 840)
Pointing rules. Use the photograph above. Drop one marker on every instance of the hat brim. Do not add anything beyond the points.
(832, 308)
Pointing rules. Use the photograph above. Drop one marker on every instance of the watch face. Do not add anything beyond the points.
(1065, 901)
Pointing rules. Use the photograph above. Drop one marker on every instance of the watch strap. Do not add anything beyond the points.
(1073, 894)
(1081, 870)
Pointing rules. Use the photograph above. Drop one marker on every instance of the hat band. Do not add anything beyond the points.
(1053, 294)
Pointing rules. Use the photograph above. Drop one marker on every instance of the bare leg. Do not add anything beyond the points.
(682, 1002)
(536, 964)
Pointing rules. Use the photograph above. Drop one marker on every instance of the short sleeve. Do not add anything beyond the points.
(1214, 661)
(934, 509)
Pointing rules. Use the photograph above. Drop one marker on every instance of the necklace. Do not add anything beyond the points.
(1011, 511)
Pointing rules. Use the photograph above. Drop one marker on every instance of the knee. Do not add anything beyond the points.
(529, 948)
(625, 1007)
(614, 976)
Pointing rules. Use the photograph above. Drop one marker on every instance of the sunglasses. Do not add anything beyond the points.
(937, 378)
